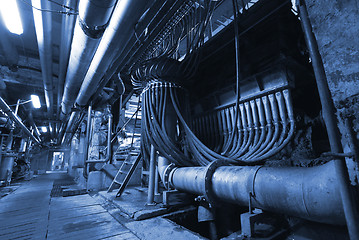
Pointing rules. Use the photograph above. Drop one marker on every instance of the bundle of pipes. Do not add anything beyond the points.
(155, 113)
(260, 129)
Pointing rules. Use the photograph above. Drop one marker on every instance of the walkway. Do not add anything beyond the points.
(31, 213)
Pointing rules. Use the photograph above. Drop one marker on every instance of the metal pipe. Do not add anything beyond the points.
(42, 21)
(118, 33)
(87, 139)
(90, 25)
(351, 214)
(309, 193)
(151, 181)
(67, 32)
(1, 150)
(16, 119)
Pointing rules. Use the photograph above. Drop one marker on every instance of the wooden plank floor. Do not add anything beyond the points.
(30, 213)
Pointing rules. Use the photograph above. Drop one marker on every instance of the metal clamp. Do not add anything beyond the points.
(166, 175)
(209, 194)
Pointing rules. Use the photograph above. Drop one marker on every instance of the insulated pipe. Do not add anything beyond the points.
(351, 214)
(310, 193)
(93, 18)
(42, 21)
(117, 34)
(16, 119)
(67, 32)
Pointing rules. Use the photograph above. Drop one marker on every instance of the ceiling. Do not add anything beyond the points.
(20, 67)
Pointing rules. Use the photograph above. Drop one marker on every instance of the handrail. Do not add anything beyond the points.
(124, 125)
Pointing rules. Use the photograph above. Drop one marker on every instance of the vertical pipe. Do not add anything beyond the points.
(109, 135)
(351, 216)
(87, 139)
(157, 183)
(151, 182)
(2, 143)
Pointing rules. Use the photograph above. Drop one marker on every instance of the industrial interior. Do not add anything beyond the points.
(179, 119)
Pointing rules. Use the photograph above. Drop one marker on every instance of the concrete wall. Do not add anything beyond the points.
(336, 27)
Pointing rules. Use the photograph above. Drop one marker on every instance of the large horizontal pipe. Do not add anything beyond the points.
(16, 119)
(309, 193)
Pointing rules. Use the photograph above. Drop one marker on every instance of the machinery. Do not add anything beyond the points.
(224, 101)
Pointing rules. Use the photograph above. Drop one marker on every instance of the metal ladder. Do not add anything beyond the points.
(125, 172)
(130, 163)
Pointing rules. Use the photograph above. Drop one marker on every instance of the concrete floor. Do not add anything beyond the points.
(29, 212)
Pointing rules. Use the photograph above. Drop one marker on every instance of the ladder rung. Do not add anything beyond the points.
(145, 172)
(117, 182)
(127, 163)
(123, 172)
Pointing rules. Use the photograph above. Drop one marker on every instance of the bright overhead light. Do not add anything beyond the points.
(35, 101)
(43, 129)
(11, 16)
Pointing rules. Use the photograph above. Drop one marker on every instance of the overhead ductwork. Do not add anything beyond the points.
(5, 107)
(68, 24)
(90, 25)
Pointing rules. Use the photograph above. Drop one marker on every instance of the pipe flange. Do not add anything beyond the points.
(166, 175)
(209, 194)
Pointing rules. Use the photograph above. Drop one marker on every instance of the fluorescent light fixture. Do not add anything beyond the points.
(44, 129)
(35, 101)
(11, 16)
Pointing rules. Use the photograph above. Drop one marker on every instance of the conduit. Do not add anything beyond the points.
(90, 25)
